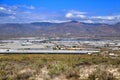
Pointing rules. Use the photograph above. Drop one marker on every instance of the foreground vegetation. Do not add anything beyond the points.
(58, 67)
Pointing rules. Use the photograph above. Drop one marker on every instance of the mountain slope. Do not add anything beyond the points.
(67, 29)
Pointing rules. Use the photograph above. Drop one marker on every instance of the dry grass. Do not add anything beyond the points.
(29, 66)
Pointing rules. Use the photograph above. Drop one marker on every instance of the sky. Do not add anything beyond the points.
(88, 11)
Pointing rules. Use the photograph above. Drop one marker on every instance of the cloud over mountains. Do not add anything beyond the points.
(75, 14)
(26, 14)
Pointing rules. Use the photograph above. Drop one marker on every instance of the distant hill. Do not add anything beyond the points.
(66, 29)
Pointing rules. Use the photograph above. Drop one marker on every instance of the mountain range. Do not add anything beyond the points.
(67, 29)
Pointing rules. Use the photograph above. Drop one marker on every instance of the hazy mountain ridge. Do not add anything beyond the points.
(67, 29)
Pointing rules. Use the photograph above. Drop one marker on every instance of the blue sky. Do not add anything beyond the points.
(89, 11)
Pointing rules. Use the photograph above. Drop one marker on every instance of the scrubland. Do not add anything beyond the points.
(58, 67)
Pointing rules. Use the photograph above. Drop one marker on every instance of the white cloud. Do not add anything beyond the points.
(12, 17)
(75, 14)
(8, 9)
(69, 15)
(104, 17)
(80, 16)
(2, 8)
(26, 7)
(23, 13)
(83, 17)
(88, 21)
(31, 7)
(55, 21)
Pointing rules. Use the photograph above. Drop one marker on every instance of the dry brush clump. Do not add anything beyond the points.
(101, 75)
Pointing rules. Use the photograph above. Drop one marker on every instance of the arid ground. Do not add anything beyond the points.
(58, 67)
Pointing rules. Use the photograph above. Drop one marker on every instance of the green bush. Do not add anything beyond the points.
(57, 68)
